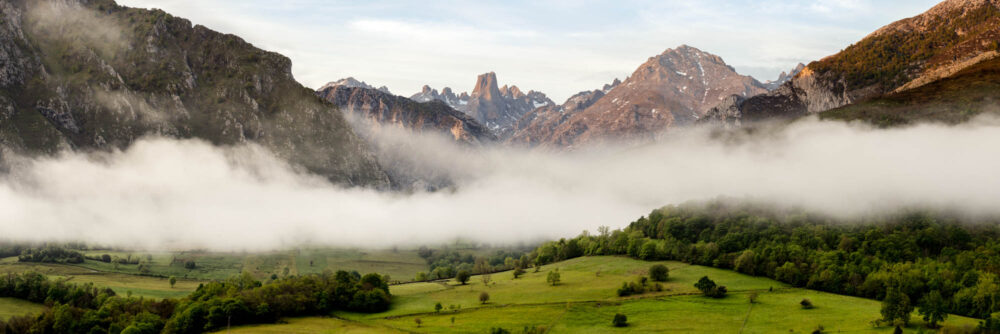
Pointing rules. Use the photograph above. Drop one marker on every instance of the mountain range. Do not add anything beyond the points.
(93, 75)
(499, 108)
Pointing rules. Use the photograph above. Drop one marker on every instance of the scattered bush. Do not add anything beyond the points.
(553, 278)
(806, 304)
(709, 288)
(462, 277)
(518, 272)
(484, 297)
(659, 273)
(620, 320)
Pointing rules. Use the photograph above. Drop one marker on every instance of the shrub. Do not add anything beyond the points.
(462, 277)
(659, 273)
(484, 297)
(709, 288)
(553, 278)
(806, 304)
(518, 272)
(620, 320)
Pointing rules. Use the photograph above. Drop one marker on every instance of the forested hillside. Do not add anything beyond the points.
(917, 253)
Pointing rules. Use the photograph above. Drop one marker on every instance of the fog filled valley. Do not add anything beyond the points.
(168, 194)
(160, 176)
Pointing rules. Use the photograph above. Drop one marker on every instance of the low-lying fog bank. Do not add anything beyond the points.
(163, 193)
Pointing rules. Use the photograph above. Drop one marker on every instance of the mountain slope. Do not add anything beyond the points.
(903, 55)
(382, 109)
(674, 88)
(952, 100)
(95, 75)
(498, 108)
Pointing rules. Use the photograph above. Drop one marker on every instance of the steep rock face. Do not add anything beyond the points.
(906, 54)
(675, 88)
(380, 109)
(498, 108)
(95, 75)
(954, 99)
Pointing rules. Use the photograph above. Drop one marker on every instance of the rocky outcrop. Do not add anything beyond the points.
(674, 88)
(379, 109)
(498, 108)
(95, 75)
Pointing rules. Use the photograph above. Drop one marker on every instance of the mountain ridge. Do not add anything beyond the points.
(93, 75)
(674, 88)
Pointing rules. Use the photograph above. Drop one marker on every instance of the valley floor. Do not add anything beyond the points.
(585, 302)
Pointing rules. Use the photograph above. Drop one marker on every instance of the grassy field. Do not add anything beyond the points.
(586, 301)
(312, 325)
(146, 286)
(399, 264)
(10, 307)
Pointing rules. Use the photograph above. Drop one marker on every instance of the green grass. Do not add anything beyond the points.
(586, 301)
(10, 307)
(145, 286)
(400, 265)
(311, 325)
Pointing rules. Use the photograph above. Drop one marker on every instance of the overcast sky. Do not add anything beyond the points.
(558, 47)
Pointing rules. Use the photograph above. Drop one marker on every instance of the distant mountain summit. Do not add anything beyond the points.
(353, 83)
(499, 108)
(904, 55)
(673, 88)
(784, 77)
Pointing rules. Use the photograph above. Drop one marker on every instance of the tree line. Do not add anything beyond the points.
(447, 263)
(84, 308)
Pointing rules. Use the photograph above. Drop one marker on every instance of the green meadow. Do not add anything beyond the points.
(585, 301)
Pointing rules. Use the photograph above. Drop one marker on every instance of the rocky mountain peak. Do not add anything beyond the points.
(486, 86)
(499, 108)
(351, 82)
(613, 84)
(673, 88)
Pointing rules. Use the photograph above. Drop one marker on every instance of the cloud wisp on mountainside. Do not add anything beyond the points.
(163, 193)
